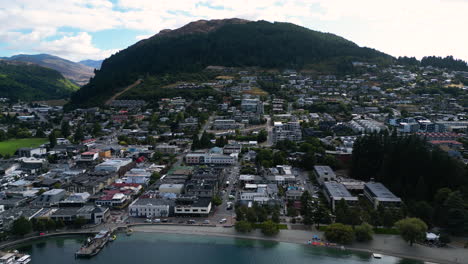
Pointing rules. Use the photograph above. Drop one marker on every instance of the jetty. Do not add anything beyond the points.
(94, 245)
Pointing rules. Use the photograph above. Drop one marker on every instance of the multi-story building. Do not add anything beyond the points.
(378, 194)
(287, 131)
(150, 207)
(324, 174)
(335, 192)
(49, 198)
(210, 158)
(192, 206)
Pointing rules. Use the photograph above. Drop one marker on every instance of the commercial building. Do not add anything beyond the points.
(335, 192)
(115, 165)
(49, 198)
(225, 124)
(150, 207)
(324, 174)
(171, 188)
(287, 131)
(192, 206)
(210, 158)
(92, 214)
(167, 149)
(378, 194)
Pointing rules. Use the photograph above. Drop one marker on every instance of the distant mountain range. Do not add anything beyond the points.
(75, 72)
(28, 81)
(95, 64)
(227, 42)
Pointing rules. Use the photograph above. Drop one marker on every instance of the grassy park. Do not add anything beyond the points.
(10, 146)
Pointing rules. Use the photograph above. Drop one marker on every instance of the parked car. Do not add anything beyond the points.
(222, 221)
(157, 220)
(206, 222)
(148, 220)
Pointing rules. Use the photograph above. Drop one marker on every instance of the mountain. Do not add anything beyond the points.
(75, 72)
(228, 42)
(95, 64)
(28, 81)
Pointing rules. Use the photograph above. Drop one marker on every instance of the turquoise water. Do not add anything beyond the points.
(153, 248)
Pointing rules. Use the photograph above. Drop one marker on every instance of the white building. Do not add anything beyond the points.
(149, 207)
(287, 131)
(199, 206)
(113, 165)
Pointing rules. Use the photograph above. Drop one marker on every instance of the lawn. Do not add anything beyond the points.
(10, 146)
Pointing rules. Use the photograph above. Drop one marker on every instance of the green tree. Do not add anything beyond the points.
(363, 232)
(50, 224)
(52, 139)
(39, 133)
(216, 200)
(339, 233)
(240, 213)
(79, 222)
(21, 226)
(65, 129)
(270, 228)
(97, 129)
(60, 224)
(412, 229)
(79, 135)
(243, 226)
(275, 217)
(155, 176)
(251, 215)
(262, 136)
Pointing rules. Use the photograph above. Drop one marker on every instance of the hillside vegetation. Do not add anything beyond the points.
(26, 81)
(75, 72)
(234, 43)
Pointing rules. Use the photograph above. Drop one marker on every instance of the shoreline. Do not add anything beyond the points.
(382, 244)
(256, 235)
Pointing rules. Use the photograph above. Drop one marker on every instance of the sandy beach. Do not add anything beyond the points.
(383, 244)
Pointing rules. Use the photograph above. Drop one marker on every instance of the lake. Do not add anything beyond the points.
(153, 248)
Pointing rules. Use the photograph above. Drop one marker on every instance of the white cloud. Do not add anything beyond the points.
(74, 48)
(399, 27)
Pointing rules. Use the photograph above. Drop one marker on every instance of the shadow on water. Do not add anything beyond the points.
(60, 242)
(241, 242)
(410, 261)
(41, 244)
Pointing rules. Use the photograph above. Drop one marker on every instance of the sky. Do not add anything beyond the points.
(95, 29)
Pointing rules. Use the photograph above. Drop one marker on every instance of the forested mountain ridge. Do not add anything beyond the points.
(75, 72)
(28, 81)
(233, 43)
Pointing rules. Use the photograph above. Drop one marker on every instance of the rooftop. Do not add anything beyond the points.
(338, 191)
(381, 192)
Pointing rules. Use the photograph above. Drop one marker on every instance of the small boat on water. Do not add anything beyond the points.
(376, 256)
(129, 232)
(112, 238)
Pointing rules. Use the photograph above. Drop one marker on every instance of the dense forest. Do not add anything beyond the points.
(264, 44)
(21, 81)
(434, 185)
(448, 62)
